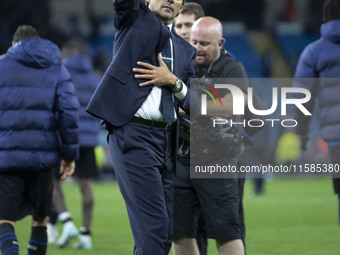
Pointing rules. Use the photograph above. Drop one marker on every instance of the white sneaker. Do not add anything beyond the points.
(69, 231)
(84, 243)
(52, 233)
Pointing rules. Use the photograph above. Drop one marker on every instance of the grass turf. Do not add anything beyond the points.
(296, 216)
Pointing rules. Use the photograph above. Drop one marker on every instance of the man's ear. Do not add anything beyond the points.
(221, 43)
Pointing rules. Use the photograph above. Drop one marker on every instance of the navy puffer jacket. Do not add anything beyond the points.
(321, 59)
(85, 82)
(38, 108)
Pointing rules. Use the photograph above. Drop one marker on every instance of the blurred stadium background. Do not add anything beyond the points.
(294, 216)
(266, 36)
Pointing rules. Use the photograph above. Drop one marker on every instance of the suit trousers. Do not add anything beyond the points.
(143, 158)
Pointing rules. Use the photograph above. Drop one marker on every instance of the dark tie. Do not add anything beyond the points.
(166, 107)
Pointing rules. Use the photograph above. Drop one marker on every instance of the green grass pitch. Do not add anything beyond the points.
(294, 216)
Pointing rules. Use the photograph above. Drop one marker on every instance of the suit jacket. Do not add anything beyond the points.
(140, 37)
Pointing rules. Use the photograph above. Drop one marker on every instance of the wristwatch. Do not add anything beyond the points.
(178, 86)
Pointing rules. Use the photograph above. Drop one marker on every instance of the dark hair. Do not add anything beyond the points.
(331, 10)
(193, 8)
(73, 47)
(25, 32)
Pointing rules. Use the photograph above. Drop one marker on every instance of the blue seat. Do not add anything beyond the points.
(292, 45)
(242, 49)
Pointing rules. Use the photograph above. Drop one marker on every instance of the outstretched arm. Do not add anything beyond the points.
(126, 12)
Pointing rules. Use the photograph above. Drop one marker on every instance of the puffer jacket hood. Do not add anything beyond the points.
(35, 52)
(80, 63)
(331, 30)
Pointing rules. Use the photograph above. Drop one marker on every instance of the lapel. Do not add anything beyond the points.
(178, 52)
(178, 47)
(165, 34)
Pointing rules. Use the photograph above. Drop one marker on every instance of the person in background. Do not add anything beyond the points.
(38, 132)
(203, 194)
(321, 60)
(187, 17)
(75, 56)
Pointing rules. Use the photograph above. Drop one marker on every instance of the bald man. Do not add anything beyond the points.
(207, 38)
(219, 199)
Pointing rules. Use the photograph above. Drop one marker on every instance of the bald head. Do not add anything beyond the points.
(209, 24)
(207, 38)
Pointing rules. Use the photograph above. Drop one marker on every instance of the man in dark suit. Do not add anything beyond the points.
(138, 99)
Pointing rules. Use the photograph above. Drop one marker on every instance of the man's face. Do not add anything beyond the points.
(183, 24)
(166, 10)
(207, 44)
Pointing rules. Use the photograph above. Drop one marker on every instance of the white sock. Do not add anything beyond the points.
(65, 216)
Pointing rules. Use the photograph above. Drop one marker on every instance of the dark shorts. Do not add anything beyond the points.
(86, 167)
(219, 201)
(25, 193)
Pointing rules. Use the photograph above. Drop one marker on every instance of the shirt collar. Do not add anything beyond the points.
(169, 26)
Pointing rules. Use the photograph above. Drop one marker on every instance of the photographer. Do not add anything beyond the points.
(218, 199)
